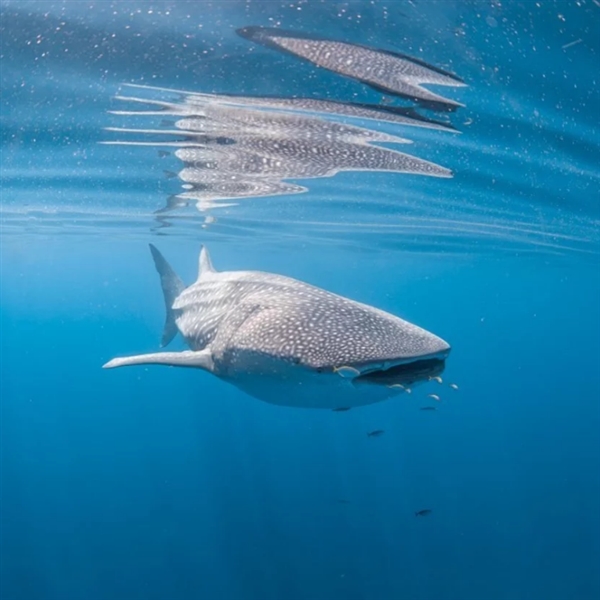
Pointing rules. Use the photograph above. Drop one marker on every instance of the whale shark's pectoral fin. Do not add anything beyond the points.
(195, 360)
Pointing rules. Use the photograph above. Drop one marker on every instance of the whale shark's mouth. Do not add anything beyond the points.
(405, 373)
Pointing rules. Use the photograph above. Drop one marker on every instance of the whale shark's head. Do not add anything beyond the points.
(298, 345)
(288, 382)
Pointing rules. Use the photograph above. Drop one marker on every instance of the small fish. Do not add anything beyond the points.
(438, 379)
(342, 501)
(341, 409)
(346, 372)
(453, 386)
(574, 43)
(428, 408)
(400, 386)
(423, 513)
(434, 397)
(163, 153)
(376, 433)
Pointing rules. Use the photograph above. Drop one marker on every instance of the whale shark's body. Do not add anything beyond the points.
(290, 343)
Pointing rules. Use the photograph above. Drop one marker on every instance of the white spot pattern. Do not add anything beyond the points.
(385, 70)
(249, 316)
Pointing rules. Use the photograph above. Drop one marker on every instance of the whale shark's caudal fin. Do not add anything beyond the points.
(172, 286)
(196, 360)
(204, 263)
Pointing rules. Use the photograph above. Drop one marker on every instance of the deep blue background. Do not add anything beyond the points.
(153, 483)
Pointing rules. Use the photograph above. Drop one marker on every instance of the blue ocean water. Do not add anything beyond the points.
(152, 483)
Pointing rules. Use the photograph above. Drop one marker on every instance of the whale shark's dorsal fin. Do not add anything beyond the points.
(205, 264)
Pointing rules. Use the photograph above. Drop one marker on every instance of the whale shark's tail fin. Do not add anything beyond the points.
(172, 286)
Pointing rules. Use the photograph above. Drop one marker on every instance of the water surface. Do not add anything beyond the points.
(165, 483)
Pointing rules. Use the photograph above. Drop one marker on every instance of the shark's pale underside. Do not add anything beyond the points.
(290, 343)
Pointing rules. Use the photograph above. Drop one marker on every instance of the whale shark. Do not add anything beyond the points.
(287, 342)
